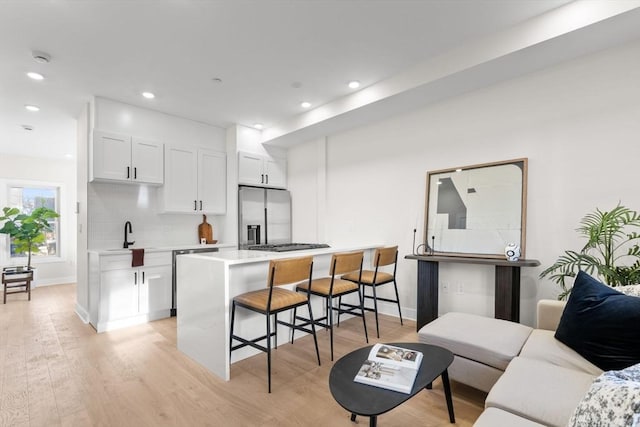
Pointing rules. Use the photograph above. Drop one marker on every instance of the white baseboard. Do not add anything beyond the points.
(55, 281)
(111, 325)
(390, 309)
(82, 313)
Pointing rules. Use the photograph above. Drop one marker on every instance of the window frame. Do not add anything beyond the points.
(36, 259)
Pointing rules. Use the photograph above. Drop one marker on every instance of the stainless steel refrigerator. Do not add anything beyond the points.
(264, 216)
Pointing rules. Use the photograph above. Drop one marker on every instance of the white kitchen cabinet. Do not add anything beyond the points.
(147, 161)
(122, 158)
(195, 181)
(262, 171)
(121, 295)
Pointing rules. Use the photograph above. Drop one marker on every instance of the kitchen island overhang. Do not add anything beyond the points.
(207, 283)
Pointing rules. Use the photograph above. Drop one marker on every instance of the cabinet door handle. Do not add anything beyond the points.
(143, 277)
(135, 173)
(267, 178)
(261, 178)
(200, 204)
(195, 205)
(135, 277)
(128, 172)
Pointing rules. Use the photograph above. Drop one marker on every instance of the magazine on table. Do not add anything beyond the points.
(390, 367)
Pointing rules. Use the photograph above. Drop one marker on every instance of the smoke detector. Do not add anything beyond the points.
(41, 57)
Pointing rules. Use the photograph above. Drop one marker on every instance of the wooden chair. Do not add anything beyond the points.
(13, 281)
(332, 287)
(274, 300)
(375, 278)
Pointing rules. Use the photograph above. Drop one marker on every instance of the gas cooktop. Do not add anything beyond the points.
(286, 247)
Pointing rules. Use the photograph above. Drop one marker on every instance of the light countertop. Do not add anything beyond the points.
(122, 251)
(236, 257)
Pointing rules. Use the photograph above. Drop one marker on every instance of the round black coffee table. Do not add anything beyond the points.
(371, 401)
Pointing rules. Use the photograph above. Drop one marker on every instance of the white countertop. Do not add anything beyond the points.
(247, 257)
(122, 251)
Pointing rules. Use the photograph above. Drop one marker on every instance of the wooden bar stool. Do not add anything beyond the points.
(332, 287)
(14, 280)
(375, 278)
(274, 300)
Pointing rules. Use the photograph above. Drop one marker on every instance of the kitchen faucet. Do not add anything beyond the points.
(127, 243)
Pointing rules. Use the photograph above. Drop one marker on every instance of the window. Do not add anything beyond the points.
(29, 198)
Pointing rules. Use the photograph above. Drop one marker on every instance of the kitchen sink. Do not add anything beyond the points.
(123, 249)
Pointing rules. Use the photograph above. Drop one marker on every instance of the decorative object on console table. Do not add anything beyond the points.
(612, 238)
(512, 252)
(27, 230)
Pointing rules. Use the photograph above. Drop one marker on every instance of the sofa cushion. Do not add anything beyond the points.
(601, 324)
(543, 346)
(613, 399)
(539, 391)
(494, 417)
(486, 340)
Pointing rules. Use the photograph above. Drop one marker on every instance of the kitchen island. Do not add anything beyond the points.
(205, 287)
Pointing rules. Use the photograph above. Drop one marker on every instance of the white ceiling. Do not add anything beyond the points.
(119, 48)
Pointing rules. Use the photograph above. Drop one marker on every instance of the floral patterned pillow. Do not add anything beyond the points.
(633, 290)
(612, 400)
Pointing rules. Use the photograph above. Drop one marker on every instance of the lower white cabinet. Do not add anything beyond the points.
(123, 296)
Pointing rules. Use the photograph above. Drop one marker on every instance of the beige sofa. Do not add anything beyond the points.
(532, 378)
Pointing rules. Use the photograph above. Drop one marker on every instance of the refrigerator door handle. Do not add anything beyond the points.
(266, 228)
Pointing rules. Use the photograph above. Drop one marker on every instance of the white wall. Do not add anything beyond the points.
(111, 205)
(40, 171)
(577, 123)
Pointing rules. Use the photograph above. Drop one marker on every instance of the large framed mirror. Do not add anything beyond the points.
(476, 210)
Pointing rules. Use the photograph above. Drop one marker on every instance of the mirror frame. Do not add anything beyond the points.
(522, 164)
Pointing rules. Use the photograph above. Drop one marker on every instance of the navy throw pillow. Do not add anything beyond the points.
(601, 324)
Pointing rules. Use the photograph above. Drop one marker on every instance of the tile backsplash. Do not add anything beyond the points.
(114, 204)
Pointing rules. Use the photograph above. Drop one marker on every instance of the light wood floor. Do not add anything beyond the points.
(56, 371)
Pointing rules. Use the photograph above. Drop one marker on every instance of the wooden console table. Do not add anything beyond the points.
(507, 297)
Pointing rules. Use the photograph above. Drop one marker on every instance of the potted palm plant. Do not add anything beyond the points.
(612, 250)
(27, 230)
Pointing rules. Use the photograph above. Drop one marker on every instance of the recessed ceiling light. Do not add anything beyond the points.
(354, 84)
(148, 95)
(69, 156)
(305, 104)
(35, 76)
(32, 107)
(27, 127)
(258, 126)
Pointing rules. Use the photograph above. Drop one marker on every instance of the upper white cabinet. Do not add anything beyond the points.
(262, 171)
(212, 182)
(195, 181)
(147, 160)
(124, 158)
